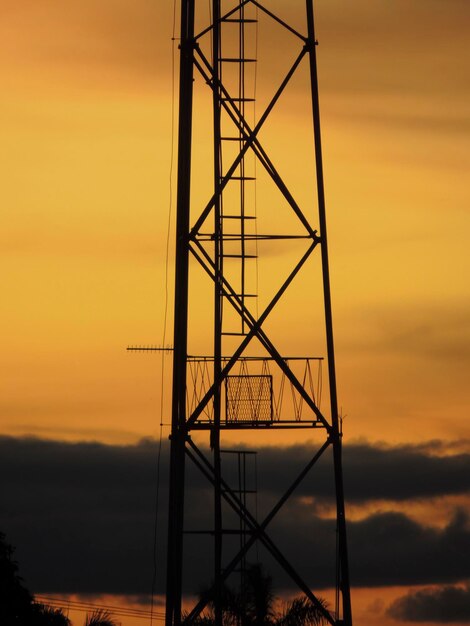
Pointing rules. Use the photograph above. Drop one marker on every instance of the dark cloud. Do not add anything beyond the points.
(385, 549)
(391, 549)
(442, 605)
(375, 473)
(82, 515)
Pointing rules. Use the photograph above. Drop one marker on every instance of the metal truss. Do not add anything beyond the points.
(217, 392)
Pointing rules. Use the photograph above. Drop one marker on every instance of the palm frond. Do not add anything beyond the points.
(302, 612)
(44, 615)
(100, 618)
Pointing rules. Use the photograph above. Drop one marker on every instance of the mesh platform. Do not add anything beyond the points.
(249, 398)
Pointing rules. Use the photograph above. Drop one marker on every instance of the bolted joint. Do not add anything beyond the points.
(187, 46)
(310, 44)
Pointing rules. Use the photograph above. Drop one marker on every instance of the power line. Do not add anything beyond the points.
(85, 607)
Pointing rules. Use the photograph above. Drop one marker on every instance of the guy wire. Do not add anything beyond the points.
(165, 316)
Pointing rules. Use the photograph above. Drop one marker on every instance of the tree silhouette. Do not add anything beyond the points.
(254, 605)
(257, 597)
(17, 605)
(15, 599)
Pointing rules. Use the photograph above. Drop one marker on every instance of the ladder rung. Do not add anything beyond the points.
(240, 295)
(233, 334)
(238, 217)
(239, 491)
(231, 139)
(240, 256)
(237, 60)
(240, 178)
(237, 99)
(225, 531)
(240, 21)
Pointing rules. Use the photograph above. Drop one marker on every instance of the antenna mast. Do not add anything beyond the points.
(238, 384)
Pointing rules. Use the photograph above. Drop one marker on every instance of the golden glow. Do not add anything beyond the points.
(85, 157)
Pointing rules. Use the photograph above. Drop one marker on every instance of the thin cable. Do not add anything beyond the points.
(256, 504)
(210, 22)
(76, 605)
(165, 317)
(255, 85)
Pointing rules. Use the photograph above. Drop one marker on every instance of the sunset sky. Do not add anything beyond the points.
(86, 118)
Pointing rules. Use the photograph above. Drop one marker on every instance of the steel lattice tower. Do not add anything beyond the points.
(235, 385)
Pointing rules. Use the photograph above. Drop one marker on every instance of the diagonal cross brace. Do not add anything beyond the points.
(250, 137)
(258, 530)
(255, 329)
(242, 310)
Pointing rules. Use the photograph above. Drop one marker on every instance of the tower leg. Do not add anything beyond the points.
(343, 569)
(178, 417)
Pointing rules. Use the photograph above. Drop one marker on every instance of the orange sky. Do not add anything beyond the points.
(85, 156)
(86, 113)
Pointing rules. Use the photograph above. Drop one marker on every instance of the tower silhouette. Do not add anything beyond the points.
(245, 381)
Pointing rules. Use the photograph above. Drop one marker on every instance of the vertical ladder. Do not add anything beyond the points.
(235, 220)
